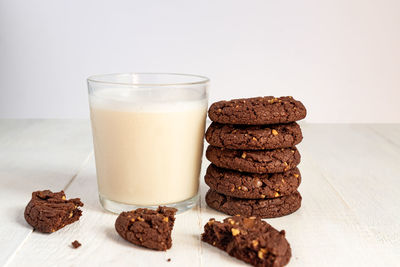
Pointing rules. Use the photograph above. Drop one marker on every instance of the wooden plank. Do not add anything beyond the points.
(349, 215)
(35, 154)
(363, 168)
(323, 232)
(96, 232)
(343, 221)
(389, 132)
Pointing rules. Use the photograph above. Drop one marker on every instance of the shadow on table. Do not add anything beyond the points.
(112, 234)
(18, 215)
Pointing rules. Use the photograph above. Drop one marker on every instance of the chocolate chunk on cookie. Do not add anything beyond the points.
(48, 212)
(250, 185)
(147, 228)
(254, 161)
(257, 110)
(264, 208)
(254, 137)
(249, 239)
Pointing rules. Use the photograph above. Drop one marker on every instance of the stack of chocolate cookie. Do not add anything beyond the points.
(253, 156)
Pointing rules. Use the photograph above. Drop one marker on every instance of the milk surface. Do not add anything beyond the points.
(147, 151)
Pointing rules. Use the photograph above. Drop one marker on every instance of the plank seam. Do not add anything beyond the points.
(387, 139)
(84, 163)
(18, 248)
(362, 227)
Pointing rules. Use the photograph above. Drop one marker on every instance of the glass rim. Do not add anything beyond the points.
(97, 79)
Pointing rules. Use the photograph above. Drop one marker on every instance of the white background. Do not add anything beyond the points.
(340, 57)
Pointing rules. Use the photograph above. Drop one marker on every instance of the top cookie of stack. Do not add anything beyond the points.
(252, 143)
(257, 111)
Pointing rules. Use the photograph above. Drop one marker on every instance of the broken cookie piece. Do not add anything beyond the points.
(249, 239)
(48, 212)
(148, 228)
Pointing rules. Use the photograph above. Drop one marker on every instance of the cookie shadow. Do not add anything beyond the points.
(19, 217)
(112, 235)
(197, 237)
(214, 252)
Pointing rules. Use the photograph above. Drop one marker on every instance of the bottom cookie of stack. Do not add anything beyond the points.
(264, 208)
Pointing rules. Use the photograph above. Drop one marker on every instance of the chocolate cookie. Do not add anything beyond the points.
(257, 111)
(249, 239)
(264, 208)
(252, 186)
(254, 137)
(254, 161)
(48, 212)
(147, 228)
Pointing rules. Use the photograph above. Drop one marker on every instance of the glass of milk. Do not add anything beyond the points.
(148, 138)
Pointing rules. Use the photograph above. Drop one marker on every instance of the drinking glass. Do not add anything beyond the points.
(148, 133)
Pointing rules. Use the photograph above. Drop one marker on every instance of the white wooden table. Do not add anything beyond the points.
(350, 215)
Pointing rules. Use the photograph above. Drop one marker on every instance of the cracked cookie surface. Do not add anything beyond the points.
(254, 161)
(254, 137)
(48, 212)
(248, 239)
(252, 186)
(147, 228)
(257, 110)
(264, 208)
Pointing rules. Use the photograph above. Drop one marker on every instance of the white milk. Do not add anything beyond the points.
(147, 153)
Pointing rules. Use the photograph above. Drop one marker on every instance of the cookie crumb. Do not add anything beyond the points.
(76, 244)
(169, 259)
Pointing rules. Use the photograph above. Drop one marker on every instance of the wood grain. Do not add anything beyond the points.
(35, 154)
(350, 214)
